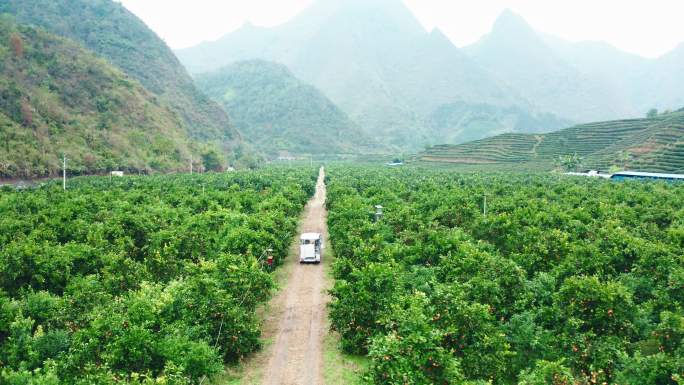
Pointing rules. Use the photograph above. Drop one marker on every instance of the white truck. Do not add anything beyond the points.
(310, 248)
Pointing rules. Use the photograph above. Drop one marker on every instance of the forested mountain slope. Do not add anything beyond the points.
(55, 98)
(112, 32)
(278, 112)
(651, 144)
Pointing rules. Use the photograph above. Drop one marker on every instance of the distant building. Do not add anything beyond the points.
(395, 163)
(625, 175)
(285, 156)
(591, 174)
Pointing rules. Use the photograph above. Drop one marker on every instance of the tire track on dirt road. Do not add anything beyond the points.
(296, 355)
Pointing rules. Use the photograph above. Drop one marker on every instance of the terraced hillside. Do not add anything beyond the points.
(653, 144)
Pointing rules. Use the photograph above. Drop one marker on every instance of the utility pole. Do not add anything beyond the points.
(190, 164)
(64, 171)
(379, 213)
(485, 205)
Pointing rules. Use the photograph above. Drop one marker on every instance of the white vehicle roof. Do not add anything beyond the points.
(311, 236)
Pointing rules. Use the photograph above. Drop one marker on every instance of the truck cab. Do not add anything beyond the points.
(310, 248)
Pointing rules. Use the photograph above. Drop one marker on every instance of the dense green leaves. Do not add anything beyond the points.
(140, 280)
(564, 281)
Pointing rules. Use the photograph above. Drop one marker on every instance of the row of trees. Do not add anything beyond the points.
(140, 280)
(563, 281)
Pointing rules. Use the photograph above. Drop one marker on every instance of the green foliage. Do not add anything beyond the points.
(565, 281)
(360, 301)
(569, 162)
(140, 280)
(57, 98)
(412, 351)
(211, 161)
(547, 373)
(652, 113)
(278, 112)
(109, 30)
(658, 369)
(592, 306)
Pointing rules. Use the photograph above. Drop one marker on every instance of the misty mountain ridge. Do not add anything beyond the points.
(368, 70)
(389, 74)
(635, 83)
(542, 76)
(374, 60)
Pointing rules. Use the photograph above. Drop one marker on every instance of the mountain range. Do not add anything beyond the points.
(108, 30)
(391, 76)
(280, 113)
(344, 76)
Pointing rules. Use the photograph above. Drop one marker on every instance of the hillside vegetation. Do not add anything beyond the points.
(651, 144)
(112, 32)
(278, 112)
(57, 98)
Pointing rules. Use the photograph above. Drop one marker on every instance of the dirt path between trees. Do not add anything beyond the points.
(294, 324)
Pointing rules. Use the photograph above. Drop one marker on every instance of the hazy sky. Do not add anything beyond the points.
(649, 28)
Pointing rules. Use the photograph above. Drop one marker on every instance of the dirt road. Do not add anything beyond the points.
(296, 315)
